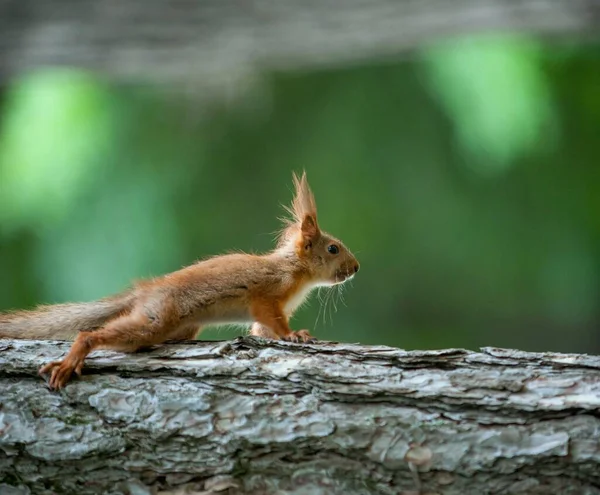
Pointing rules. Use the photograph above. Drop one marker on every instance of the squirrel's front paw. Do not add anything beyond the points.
(61, 371)
(300, 336)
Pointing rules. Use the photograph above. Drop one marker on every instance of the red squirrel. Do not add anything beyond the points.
(261, 290)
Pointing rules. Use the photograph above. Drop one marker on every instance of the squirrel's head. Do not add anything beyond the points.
(329, 261)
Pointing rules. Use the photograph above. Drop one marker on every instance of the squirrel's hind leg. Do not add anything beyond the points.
(127, 334)
(186, 333)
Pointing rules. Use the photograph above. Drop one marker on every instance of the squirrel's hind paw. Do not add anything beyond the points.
(61, 371)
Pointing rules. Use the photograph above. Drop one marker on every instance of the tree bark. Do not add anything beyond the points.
(256, 417)
(187, 41)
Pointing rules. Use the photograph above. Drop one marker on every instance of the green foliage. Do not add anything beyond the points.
(497, 94)
(54, 126)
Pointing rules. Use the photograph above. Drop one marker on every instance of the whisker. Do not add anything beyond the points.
(341, 294)
(335, 299)
(321, 305)
(327, 301)
(333, 305)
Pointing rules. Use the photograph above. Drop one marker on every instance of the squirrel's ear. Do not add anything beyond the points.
(309, 227)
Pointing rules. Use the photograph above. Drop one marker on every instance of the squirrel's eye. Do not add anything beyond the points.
(333, 249)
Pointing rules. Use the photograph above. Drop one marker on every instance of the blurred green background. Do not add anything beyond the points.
(466, 179)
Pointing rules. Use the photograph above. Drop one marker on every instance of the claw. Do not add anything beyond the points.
(48, 367)
(60, 372)
(78, 369)
(301, 336)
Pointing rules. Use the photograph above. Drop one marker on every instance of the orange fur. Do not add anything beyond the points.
(261, 290)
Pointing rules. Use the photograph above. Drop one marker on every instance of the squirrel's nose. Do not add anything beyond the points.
(356, 267)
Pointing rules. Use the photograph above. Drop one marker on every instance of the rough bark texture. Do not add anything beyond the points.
(257, 417)
(191, 40)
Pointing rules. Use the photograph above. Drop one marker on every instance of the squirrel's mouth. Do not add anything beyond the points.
(342, 276)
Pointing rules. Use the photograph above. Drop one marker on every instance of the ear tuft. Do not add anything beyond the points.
(303, 203)
(302, 211)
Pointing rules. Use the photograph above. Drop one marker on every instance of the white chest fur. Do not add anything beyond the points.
(297, 299)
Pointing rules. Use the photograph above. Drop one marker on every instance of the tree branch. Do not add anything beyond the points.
(251, 416)
(191, 41)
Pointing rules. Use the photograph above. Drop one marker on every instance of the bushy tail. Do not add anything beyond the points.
(62, 321)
